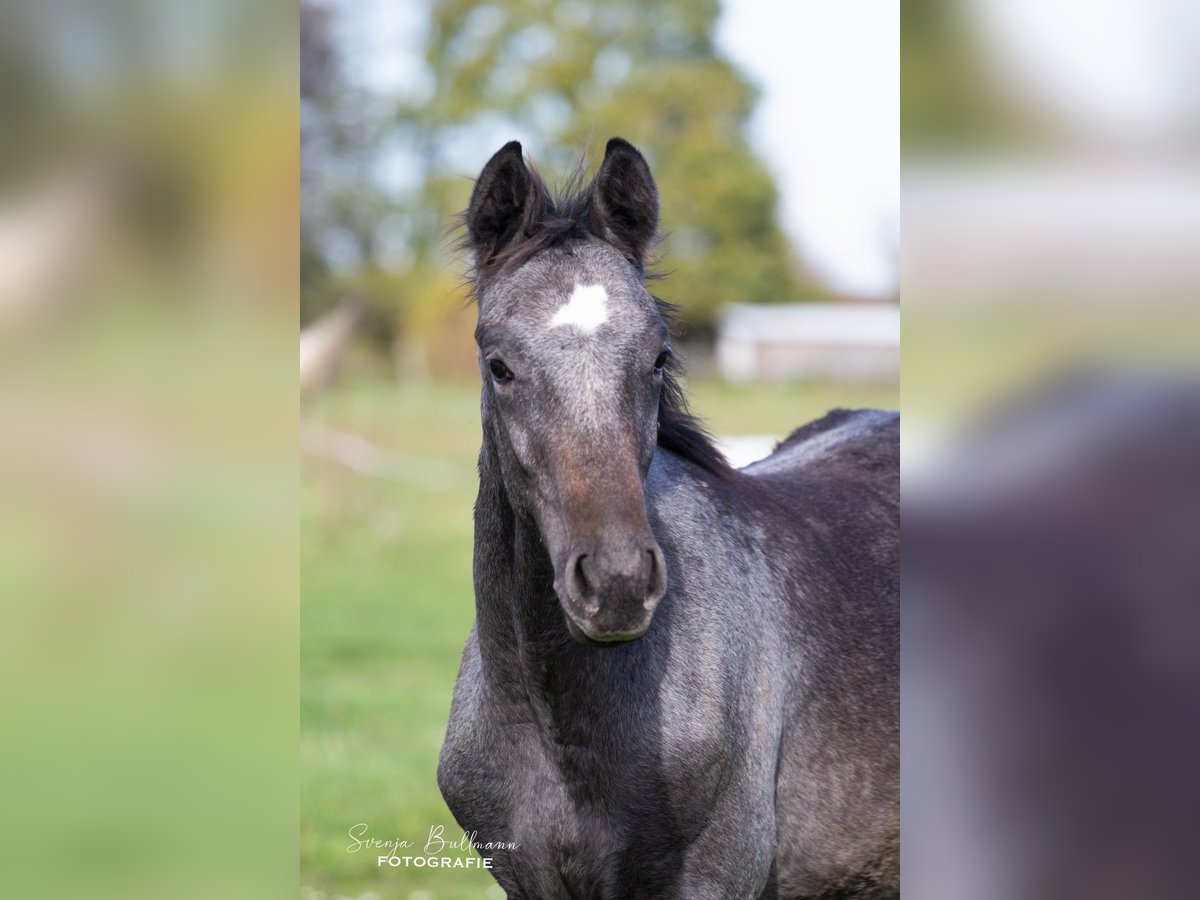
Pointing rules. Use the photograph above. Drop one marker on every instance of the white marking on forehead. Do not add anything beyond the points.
(586, 311)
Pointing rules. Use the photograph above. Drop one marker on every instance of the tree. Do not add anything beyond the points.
(344, 209)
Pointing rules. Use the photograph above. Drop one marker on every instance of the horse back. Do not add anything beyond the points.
(856, 445)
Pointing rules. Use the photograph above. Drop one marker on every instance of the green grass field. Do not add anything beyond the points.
(386, 603)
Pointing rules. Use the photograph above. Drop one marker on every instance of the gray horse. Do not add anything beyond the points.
(683, 679)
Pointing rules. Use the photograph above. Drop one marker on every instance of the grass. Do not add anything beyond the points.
(386, 602)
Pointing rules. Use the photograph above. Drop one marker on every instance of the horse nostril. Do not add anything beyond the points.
(578, 583)
(656, 583)
(614, 580)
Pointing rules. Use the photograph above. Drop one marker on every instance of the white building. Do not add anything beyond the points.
(838, 341)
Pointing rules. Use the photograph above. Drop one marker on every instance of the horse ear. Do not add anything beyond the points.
(625, 201)
(500, 203)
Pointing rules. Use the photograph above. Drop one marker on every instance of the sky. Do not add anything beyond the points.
(827, 124)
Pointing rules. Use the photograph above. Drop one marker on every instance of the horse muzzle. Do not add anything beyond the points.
(609, 589)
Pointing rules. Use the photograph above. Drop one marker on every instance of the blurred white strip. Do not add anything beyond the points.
(1084, 233)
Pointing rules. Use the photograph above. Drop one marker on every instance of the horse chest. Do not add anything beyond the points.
(615, 803)
(598, 824)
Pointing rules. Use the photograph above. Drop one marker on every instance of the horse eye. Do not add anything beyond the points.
(660, 362)
(500, 371)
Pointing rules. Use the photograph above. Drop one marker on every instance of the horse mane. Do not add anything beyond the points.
(563, 217)
(678, 429)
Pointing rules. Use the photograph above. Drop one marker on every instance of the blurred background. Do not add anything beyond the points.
(148, 283)
(1051, 434)
(772, 131)
(149, 272)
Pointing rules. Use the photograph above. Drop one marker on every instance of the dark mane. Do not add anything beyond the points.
(678, 430)
(563, 217)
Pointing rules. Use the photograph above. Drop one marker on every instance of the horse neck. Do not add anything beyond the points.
(528, 656)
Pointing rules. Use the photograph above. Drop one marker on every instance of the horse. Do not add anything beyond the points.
(683, 678)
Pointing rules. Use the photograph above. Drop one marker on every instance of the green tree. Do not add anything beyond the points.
(343, 132)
